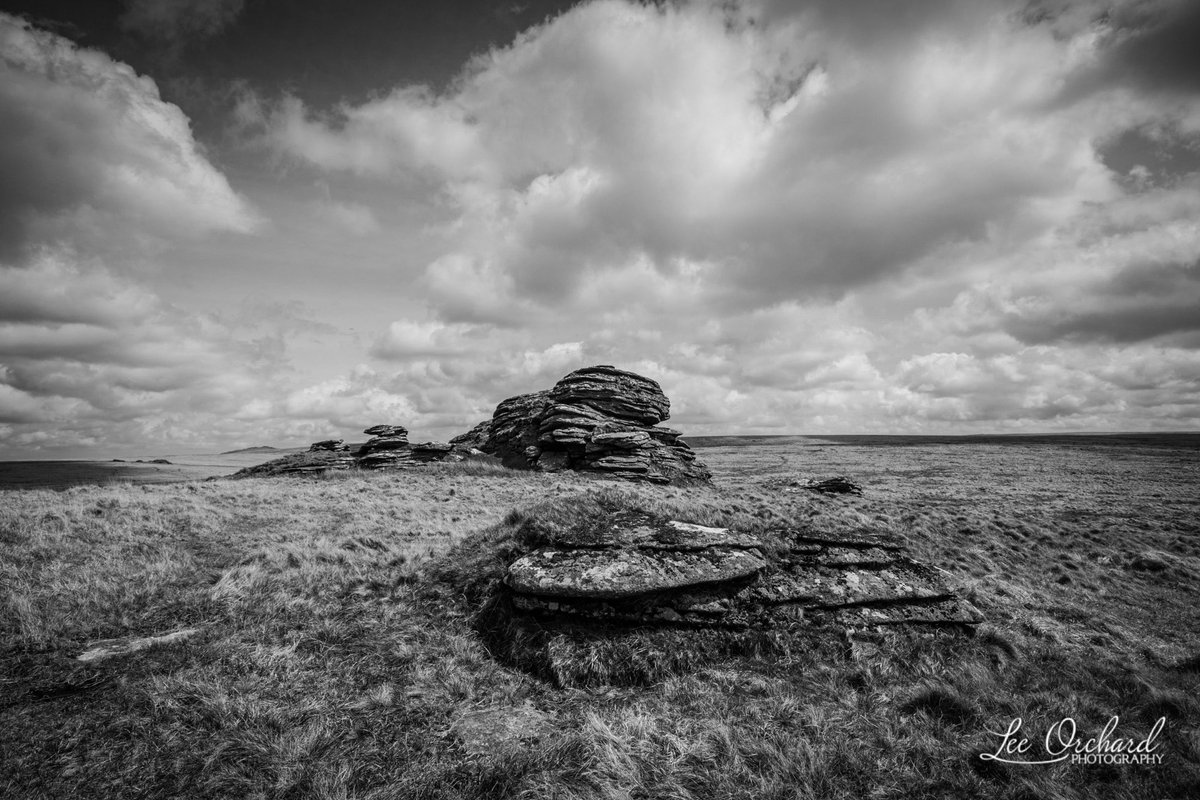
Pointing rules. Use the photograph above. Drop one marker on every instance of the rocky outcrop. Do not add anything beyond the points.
(312, 462)
(836, 485)
(638, 569)
(597, 419)
(388, 448)
(513, 435)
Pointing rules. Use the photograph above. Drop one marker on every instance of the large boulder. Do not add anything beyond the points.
(597, 419)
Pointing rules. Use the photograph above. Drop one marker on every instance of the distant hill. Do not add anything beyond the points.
(262, 448)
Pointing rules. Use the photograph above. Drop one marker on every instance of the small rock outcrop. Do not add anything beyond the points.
(597, 419)
(835, 485)
(388, 448)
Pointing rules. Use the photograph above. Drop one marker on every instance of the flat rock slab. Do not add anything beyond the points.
(852, 557)
(806, 538)
(944, 611)
(828, 586)
(650, 533)
(697, 615)
(614, 574)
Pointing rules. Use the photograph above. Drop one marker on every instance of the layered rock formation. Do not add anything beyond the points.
(598, 419)
(637, 569)
(313, 462)
(388, 448)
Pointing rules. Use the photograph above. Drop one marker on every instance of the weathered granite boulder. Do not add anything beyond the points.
(513, 434)
(597, 419)
(388, 431)
(390, 449)
(636, 568)
(616, 393)
(387, 448)
(329, 444)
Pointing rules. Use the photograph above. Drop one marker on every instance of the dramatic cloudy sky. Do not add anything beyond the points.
(235, 222)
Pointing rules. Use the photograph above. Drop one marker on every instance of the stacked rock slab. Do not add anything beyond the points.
(638, 569)
(387, 447)
(598, 419)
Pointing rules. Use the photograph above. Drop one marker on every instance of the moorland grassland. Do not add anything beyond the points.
(337, 656)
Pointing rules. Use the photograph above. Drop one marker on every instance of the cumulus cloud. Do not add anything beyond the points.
(88, 144)
(94, 161)
(798, 217)
(796, 163)
(838, 214)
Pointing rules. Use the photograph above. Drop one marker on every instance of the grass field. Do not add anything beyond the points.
(337, 659)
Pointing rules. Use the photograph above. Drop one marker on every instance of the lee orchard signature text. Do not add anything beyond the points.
(1063, 743)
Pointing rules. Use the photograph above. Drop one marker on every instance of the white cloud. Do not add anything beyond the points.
(89, 145)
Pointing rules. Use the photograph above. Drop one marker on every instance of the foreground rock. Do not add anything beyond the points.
(597, 419)
(643, 569)
(572, 596)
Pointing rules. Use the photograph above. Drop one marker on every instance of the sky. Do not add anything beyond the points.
(228, 223)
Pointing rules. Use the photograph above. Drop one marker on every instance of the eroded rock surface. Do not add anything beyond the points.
(597, 419)
(635, 568)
